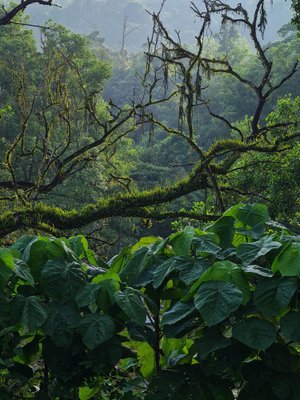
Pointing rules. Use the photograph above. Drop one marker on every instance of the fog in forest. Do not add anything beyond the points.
(108, 17)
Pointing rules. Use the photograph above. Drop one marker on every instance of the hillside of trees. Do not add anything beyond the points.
(145, 148)
(121, 127)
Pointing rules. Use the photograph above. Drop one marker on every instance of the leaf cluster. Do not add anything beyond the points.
(203, 314)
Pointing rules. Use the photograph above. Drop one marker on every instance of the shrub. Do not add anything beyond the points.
(204, 314)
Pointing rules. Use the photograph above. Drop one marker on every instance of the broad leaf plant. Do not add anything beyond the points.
(205, 314)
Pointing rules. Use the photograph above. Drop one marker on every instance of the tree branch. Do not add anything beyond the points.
(9, 15)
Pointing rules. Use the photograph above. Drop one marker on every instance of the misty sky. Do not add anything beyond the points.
(107, 16)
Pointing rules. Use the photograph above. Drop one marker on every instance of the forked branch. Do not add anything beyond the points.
(6, 17)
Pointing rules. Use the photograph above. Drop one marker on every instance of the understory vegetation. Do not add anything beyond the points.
(202, 314)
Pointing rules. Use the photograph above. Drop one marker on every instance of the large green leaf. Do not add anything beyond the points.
(29, 348)
(239, 238)
(272, 295)
(21, 243)
(211, 341)
(189, 272)
(145, 271)
(86, 393)
(106, 294)
(224, 228)
(255, 333)
(289, 326)
(61, 280)
(36, 254)
(255, 232)
(79, 245)
(288, 260)
(87, 295)
(6, 266)
(249, 252)
(170, 265)
(41, 249)
(146, 241)
(181, 241)
(175, 350)
(146, 358)
(61, 321)
(106, 276)
(130, 302)
(118, 262)
(140, 333)
(6, 258)
(216, 300)
(180, 328)
(133, 266)
(225, 271)
(34, 314)
(178, 312)
(207, 243)
(28, 311)
(107, 355)
(96, 329)
(22, 270)
(249, 214)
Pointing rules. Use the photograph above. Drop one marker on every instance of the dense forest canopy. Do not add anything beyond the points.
(59, 131)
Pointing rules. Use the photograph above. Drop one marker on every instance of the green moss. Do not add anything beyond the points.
(228, 144)
(134, 204)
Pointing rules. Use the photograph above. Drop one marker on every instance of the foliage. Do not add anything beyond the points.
(211, 312)
(296, 10)
(60, 133)
(208, 314)
(44, 114)
(55, 306)
(280, 184)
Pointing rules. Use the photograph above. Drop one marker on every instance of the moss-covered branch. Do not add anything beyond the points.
(129, 205)
(140, 204)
